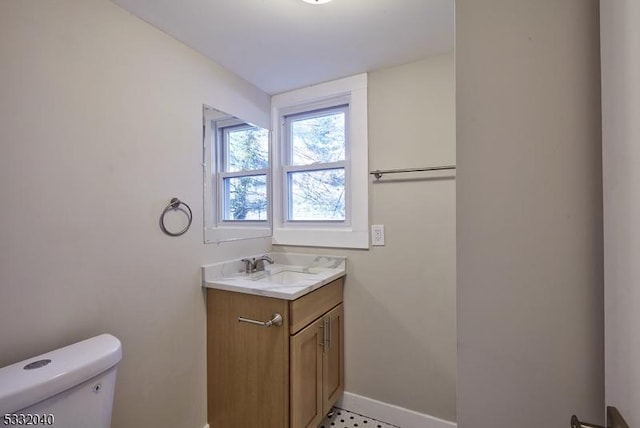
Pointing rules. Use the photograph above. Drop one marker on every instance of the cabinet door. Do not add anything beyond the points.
(247, 366)
(333, 358)
(306, 376)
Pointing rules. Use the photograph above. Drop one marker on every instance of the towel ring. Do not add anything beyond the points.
(175, 205)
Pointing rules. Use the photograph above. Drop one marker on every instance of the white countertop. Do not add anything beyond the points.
(290, 277)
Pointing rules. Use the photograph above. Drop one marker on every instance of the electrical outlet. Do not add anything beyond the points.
(377, 234)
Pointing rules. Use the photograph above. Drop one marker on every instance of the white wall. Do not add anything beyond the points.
(529, 206)
(400, 300)
(100, 125)
(620, 38)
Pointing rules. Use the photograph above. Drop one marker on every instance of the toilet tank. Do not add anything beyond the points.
(71, 387)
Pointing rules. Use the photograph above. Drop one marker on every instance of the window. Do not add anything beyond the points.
(321, 181)
(315, 166)
(243, 166)
(236, 178)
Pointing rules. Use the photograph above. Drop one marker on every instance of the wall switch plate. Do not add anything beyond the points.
(377, 234)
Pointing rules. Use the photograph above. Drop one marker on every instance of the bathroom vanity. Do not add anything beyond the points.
(275, 353)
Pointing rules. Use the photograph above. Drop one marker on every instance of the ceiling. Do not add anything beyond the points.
(279, 45)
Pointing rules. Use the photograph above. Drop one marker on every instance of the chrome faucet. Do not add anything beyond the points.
(256, 265)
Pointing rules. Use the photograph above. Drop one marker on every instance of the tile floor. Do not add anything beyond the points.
(340, 418)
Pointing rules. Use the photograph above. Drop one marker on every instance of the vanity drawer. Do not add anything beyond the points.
(307, 308)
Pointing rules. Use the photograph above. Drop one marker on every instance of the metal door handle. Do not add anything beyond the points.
(326, 334)
(276, 320)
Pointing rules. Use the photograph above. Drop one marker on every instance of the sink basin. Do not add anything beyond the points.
(286, 277)
(290, 277)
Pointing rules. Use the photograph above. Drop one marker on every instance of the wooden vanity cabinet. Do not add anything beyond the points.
(284, 376)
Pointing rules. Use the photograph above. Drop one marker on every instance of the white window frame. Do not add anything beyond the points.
(217, 229)
(353, 232)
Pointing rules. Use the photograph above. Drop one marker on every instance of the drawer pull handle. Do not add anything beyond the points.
(326, 333)
(275, 320)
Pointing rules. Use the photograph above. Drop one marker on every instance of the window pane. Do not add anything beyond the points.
(317, 195)
(245, 198)
(247, 148)
(318, 139)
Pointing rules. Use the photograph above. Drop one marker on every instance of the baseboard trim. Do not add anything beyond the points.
(206, 426)
(395, 415)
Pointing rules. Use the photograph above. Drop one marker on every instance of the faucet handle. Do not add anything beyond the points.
(258, 264)
(266, 258)
(248, 265)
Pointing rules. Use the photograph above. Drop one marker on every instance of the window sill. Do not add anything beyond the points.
(331, 238)
(226, 234)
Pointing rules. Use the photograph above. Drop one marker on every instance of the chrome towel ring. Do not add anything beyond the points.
(175, 204)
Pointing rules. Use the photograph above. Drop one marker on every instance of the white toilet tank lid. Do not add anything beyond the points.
(36, 379)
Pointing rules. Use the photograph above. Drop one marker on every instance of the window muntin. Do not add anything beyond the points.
(315, 165)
